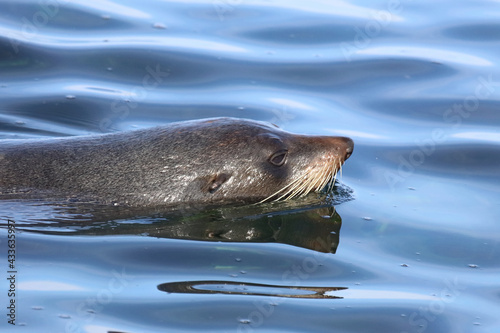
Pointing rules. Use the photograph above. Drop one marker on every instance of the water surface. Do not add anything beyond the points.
(414, 246)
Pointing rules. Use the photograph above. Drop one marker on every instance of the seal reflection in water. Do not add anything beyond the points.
(211, 161)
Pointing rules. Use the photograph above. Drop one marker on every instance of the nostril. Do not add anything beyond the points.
(348, 152)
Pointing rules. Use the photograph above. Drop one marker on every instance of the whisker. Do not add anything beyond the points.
(297, 181)
(322, 178)
(315, 178)
(326, 180)
(314, 181)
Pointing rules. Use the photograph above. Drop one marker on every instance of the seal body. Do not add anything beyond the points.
(211, 161)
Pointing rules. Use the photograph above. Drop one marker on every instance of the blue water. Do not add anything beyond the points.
(414, 247)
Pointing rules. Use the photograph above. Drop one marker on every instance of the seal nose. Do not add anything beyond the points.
(349, 148)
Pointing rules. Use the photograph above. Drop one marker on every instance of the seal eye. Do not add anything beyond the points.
(279, 157)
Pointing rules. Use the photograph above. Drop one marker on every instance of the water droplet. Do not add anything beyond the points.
(105, 17)
(411, 188)
(404, 265)
(366, 218)
(245, 321)
(473, 266)
(326, 216)
(237, 259)
(241, 108)
(20, 122)
(159, 26)
(64, 316)
(70, 96)
(109, 69)
(476, 324)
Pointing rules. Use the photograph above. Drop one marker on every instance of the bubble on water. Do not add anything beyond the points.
(159, 26)
(367, 218)
(70, 96)
(473, 266)
(245, 321)
(237, 259)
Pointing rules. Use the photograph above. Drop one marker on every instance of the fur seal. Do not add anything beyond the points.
(205, 162)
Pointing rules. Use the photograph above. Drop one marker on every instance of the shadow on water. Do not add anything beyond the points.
(242, 288)
(310, 222)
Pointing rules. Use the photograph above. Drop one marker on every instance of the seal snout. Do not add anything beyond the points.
(341, 147)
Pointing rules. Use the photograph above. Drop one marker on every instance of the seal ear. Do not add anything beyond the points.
(217, 181)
